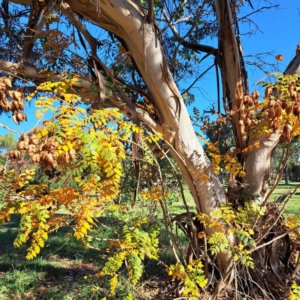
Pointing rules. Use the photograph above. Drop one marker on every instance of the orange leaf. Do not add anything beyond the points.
(279, 57)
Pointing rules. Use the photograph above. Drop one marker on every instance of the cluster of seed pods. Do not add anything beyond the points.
(42, 152)
(290, 104)
(12, 101)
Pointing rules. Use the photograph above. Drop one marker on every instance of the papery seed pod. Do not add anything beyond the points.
(16, 154)
(43, 156)
(10, 154)
(2, 96)
(255, 95)
(284, 104)
(21, 105)
(250, 114)
(5, 105)
(5, 83)
(35, 158)
(239, 102)
(268, 92)
(288, 136)
(248, 101)
(289, 127)
(248, 122)
(22, 146)
(255, 102)
(270, 124)
(272, 103)
(33, 139)
(289, 108)
(46, 145)
(278, 112)
(294, 96)
(203, 128)
(243, 114)
(72, 154)
(9, 106)
(15, 106)
(18, 96)
(32, 149)
(15, 118)
(228, 118)
(291, 89)
(22, 116)
(281, 139)
(65, 157)
(275, 124)
(254, 121)
(51, 159)
(296, 109)
(271, 113)
(279, 102)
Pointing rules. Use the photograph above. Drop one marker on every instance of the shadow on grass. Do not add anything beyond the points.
(63, 268)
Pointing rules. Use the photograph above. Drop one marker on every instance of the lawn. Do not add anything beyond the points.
(60, 270)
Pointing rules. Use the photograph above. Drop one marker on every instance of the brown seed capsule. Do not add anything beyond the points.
(32, 149)
(275, 124)
(16, 154)
(21, 105)
(255, 95)
(270, 124)
(268, 92)
(281, 139)
(65, 157)
(271, 113)
(33, 139)
(294, 95)
(272, 103)
(278, 112)
(239, 102)
(5, 83)
(14, 117)
(35, 158)
(248, 101)
(296, 109)
(291, 89)
(248, 122)
(22, 146)
(14, 105)
(21, 117)
(250, 114)
(284, 104)
(289, 108)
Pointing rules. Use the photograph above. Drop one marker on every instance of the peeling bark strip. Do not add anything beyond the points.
(229, 62)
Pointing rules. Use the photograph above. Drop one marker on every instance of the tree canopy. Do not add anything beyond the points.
(108, 80)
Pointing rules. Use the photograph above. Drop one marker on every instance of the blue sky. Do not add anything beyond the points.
(274, 30)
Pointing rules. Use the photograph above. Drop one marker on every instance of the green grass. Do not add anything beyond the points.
(57, 273)
(293, 206)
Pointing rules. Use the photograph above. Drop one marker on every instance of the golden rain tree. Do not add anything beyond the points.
(109, 73)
